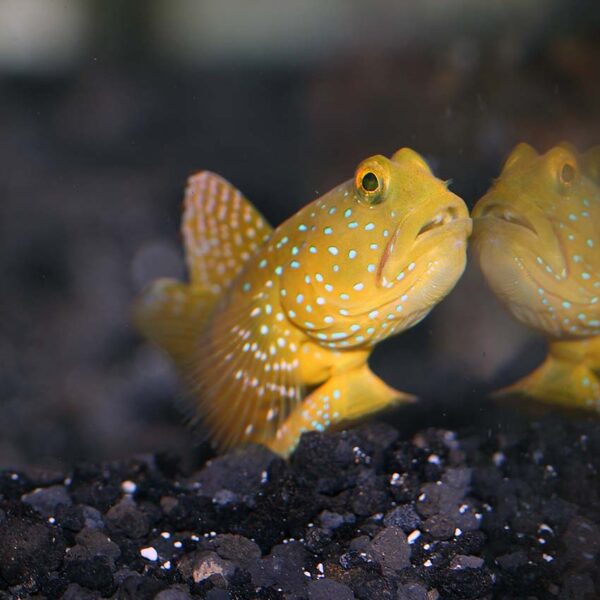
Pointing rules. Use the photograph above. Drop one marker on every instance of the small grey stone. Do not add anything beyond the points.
(439, 526)
(93, 517)
(362, 543)
(467, 520)
(28, 549)
(239, 471)
(463, 561)
(435, 499)
(512, 561)
(412, 591)
(76, 592)
(328, 589)
(284, 567)
(316, 538)
(237, 548)
(46, 500)
(125, 518)
(391, 549)
(403, 516)
(331, 520)
(224, 497)
(457, 478)
(98, 544)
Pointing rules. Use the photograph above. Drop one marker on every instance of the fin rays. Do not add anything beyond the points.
(243, 385)
(221, 231)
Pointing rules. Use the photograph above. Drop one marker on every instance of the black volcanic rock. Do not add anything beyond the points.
(29, 550)
(360, 514)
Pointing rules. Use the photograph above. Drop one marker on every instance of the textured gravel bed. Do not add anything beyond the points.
(355, 514)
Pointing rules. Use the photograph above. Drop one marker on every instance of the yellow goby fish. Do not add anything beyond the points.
(273, 331)
(537, 237)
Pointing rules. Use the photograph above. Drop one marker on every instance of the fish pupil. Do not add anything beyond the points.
(370, 182)
(567, 173)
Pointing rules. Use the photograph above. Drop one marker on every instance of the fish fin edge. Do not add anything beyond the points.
(221, 231)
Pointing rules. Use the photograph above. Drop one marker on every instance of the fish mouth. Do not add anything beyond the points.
(505, 214)
(448, 221)
(535, 238)
(441, 219)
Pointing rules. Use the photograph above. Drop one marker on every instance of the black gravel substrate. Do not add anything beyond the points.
(355, 514)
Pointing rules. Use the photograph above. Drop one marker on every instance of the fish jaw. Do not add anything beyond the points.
(531, 236)
(522, 256)
(438, 231)
(505, 272)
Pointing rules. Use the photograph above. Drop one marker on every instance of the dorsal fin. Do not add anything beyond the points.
(221, 231)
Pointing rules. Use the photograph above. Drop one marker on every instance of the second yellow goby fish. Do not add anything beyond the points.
(273, 331)
(537, 237)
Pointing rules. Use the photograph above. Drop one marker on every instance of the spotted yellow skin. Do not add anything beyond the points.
(273, 332)
(537, 238)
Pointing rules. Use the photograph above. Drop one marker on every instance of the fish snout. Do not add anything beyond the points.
(442, 218)
(445, 215)
(525, 230)
(494, 209)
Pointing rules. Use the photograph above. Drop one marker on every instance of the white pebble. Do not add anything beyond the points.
(547, 557)
(128, 487)
(149, 553)
(499, 458)
(413, 536)
(546, 528)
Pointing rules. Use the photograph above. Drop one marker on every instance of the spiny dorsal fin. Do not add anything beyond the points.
(221, 231)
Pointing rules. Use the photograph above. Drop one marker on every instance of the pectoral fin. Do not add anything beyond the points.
(558, 381)
(344, 397)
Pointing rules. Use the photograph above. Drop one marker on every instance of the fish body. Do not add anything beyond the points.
(273, 332)
(537, 239)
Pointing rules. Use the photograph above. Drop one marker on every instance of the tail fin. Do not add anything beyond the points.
(172, 315)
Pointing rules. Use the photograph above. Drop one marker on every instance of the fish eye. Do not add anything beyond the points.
(370, 182)
(567, 173)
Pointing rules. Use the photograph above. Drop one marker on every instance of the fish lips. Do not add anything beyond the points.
(533, 233)
(442, 238)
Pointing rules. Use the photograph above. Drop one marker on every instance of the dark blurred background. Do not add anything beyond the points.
(106, 106)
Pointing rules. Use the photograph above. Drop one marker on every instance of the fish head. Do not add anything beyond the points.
(377, 252)
(537, 239)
